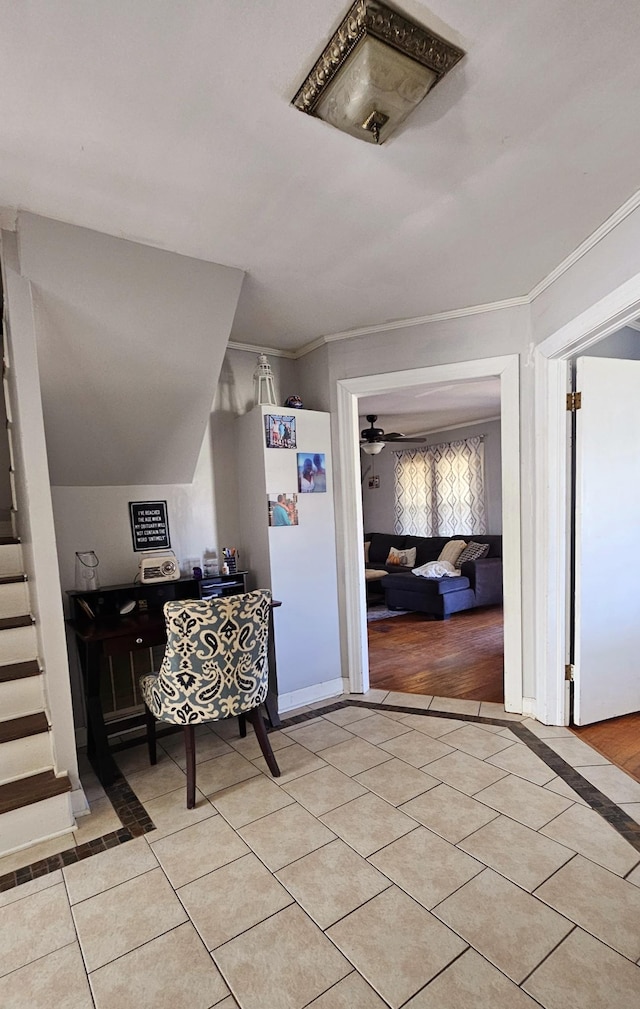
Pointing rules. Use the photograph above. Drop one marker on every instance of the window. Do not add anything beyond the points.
(439, 490)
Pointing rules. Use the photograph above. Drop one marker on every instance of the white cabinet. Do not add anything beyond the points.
(297, 562)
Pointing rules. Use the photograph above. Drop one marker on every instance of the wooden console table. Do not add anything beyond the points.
(109, 633)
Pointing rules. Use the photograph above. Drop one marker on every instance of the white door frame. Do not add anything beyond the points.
(605, 317)
(350, 506)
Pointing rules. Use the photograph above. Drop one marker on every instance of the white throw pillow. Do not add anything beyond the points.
(402, 558)
(367, 544)
(451, 551)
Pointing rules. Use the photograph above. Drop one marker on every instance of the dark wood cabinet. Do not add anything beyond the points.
(117, 621)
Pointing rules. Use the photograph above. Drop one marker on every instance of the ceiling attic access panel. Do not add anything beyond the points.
(130, 346)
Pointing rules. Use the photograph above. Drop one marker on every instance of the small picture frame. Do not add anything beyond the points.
(283, 509)
(312, 473)
(280, 430)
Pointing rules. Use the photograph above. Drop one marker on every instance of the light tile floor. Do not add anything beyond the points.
(401, 859)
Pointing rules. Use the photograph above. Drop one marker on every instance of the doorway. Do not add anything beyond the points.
(602, 707)
(620, 308)
(349, 392)
(444, 480)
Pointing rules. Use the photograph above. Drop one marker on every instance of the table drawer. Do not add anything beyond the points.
(131, 642)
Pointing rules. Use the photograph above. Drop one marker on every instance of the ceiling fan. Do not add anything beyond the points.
(373, 439)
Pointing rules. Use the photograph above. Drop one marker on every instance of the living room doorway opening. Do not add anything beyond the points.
(429, 635)
(350, 394)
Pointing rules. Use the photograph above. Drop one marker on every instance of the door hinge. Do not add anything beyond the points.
(574, 401)
(568, 672)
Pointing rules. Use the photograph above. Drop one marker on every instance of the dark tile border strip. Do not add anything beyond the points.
(621, 822)
(136, 821)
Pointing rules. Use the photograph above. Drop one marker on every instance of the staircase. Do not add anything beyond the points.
(35, 800)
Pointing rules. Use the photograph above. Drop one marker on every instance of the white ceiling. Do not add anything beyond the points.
(434, 407)
(170, 123)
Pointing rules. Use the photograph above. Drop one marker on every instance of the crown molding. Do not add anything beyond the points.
(448, 427)
(634, 325)
(255, 348)
(628, 208)
(385, 327)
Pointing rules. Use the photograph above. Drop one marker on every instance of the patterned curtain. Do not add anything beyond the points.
(439, 490)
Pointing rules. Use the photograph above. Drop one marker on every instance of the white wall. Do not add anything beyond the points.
(607, 265)
(378, 504)
(312, 377)
(623, 345)
(474, 337)
(5, 462)
(203, 514)
(234, 397)
(130, 344)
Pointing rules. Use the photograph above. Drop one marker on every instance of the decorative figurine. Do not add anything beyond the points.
(263, 390)
(294, 403)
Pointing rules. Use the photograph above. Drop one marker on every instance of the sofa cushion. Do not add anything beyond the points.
(451, 551)
(473, 552)
(425, 586)
(427, 547)
(381, 544)
(405, 558)
(494, 541)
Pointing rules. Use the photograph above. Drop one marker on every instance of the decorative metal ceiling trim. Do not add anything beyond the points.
(370, 17)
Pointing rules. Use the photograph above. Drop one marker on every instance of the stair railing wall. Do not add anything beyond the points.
(32, 493)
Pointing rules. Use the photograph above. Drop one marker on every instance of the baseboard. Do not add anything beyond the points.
(79, 803)
(37, 823)
(529, 706)
(315, 692)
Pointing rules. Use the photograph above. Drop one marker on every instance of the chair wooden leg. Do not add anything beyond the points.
(150, 723)
(242, 725)
(255, 717)
(190, 749)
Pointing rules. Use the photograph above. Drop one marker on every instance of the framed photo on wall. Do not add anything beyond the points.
(312, 474)
(280, 430)
(283, 509)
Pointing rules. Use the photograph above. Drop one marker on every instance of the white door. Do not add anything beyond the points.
(607, 514)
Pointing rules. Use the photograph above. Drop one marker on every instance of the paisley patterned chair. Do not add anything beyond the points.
(214, 666)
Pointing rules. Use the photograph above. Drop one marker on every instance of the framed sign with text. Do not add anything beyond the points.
(149, 525)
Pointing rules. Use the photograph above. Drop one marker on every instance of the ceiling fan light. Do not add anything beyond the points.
(373, 447)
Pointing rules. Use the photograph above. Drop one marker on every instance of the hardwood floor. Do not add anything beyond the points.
(617, 739)
(460, 657)
(463, 657)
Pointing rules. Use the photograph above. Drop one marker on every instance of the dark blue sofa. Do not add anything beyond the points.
(479, 584)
